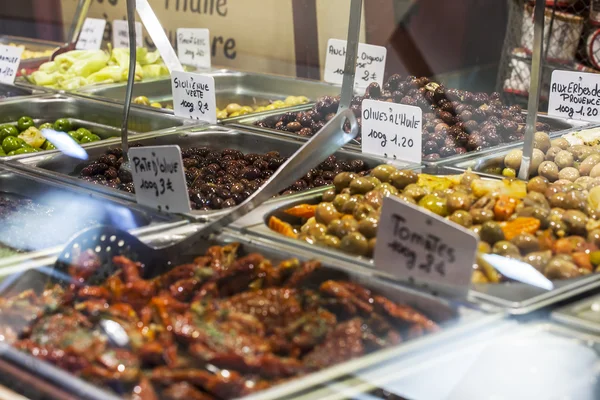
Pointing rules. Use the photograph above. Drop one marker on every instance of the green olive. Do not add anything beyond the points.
(340, 200)
(594, 237)
(368, 227)
(325, 213)
(361, 185)
(402, 178)
(434, 204)
(468, 178)
(481, 215)
(383, 172)
(353, 201)
(342, 180)
(491, 232)
(372, 244)
(362, 211)
(537, 184)
(561, 268)
(414, 191)
(317, 230)
(458, 201)
(461, 217)
(329, 241)
(387, 189)
(374, 198)
(576, 221)
(506, 249)
(342, 227)
(526, 242)
(355, 243)
(538, 259)
(329, 195)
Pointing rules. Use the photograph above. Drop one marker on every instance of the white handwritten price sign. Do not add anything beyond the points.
(420, 247)
(370, 63)
(575, 95)
(91, 34)
(193, 47)
(392, 130)
(10, 58)
(120, 32)
(159, 179)
(194, 96)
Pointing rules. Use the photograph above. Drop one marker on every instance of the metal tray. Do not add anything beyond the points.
(511, 360)
(56, 165)
(11, 91)
(561, 125)
(80, 205)
(456, 319)
(515, 297)
(101, 117)
(584, 314)
(31, 44)
(244, 88)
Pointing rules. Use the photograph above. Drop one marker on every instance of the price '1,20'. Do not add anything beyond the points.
(401, 141)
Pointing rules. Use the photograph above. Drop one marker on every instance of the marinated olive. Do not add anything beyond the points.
(402, 178)
(25, 123)
(537, 184)
(325, 213)
(513, 159)
(491, 232)
(548, 170)
(576, 221)
(342, 227)
(329, 195)
(362, 211)
(383, 172)
(468, 178)
(340, 200)
(594, 237)
(350, 205)
(63, 125)
(481, 215)
(361, 185)
(434, 204)
(564, 159)
(586, 166)
(368, 227)
(505, 248)
(569, 173)
(342, 180)
(387, 189)
(329, 241)
(414, 191)
(458, 201)
(317, 230)
(374, 199)
(595, 171)
(526, 243)
(538, 259)
(561, 143)
(355, 243)
(461, 217)
(560, 268)
(552, 152)
(537, 158)
(580, 152)
(541, 141)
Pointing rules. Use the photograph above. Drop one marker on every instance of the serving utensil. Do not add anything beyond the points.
(80, 15)
(107, 241)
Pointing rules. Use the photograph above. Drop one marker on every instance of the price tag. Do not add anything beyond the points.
(370, 63)
(392, 130)
(159, 179)
(575, 95)
(194, 96)
(193, 47)
(91, 34)
(10, 58)
(120, 31)
(420, 247)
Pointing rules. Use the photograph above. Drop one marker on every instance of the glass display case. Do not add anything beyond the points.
(332, 118)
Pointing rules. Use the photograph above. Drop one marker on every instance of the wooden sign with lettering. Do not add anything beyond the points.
(253, 35)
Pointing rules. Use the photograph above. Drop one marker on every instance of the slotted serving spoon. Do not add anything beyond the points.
(107, 241)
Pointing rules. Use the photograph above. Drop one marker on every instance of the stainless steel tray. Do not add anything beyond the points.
(101, 117)
(31, 44)
(516, 298)
(78, 205)
(244, 88)
(561, 125)
(11, 91)
(510, 360)
(583, 314)
(55, 165)
(456, 319)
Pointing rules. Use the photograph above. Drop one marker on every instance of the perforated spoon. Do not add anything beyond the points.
(107, 241)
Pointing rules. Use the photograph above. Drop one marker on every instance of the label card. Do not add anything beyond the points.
(194, 96)
(120, 31)
(370, 63)
(10, 58)
(91, 34)
(159, 179)
(193, 47)
(392, 130)
(420, 247)
(575, 95)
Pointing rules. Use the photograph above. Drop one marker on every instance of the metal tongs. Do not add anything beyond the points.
(80, 15)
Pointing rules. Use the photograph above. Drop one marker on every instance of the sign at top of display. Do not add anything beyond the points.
(194, 96)
(91, 34)
(417, 246)
(193, 47)
(10, 58)
(159, 178)
(370, 63)
(120, 31)
(392, 130)
(575, 95)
